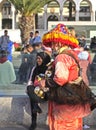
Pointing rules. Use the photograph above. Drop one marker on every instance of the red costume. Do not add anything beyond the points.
(65, 117)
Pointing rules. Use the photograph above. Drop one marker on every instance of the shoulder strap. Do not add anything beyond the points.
(70, 54)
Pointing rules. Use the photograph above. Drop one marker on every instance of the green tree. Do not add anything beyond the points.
(27, 10)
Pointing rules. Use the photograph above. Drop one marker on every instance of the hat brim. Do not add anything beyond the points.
(55, 37)
(60, 34)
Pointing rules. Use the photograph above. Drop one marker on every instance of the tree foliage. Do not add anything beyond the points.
(27, 9)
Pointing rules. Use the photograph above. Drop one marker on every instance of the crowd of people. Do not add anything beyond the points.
(68, 60)
(29, 52)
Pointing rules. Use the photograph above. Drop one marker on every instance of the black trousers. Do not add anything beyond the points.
(30, 91)
(34, 100)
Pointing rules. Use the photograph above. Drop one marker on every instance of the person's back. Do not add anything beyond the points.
(22, 73)
(84, 65)
(7, 73)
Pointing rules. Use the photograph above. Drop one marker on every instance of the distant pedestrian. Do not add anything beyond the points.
(37, 37)
(4, 40)
(31, 38)
(23, 69)
(82, 41)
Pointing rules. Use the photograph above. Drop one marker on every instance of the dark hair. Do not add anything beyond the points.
(3, 53)
(31, 33)
(71, 28)
(5, 30)
(46, 58)
(93, 40)
(36, 31)
(27, 46)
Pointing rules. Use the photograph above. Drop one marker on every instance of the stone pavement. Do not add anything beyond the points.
(11, 127)
(17, 117)
(15, 90)
(39, 127)
(21, 127)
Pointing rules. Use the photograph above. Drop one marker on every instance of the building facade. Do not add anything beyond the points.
(59, 10)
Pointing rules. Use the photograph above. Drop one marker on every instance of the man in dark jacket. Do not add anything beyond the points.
(31, 58)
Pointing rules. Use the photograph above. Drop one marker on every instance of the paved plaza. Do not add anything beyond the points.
(20, 127)
(18, 90)
(39, 127)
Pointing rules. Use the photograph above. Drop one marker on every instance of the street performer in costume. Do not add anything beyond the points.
(65, 115)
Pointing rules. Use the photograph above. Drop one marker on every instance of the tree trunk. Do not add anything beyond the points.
(36, 21)
(26, 26)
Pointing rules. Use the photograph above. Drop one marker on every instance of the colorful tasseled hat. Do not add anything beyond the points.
(59, 34)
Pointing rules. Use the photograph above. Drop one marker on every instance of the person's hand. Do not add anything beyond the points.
(42, 83)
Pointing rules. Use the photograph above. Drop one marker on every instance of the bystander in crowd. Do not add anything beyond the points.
(31, 38)
(7, 73)
(42, 60)
(4, 40)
